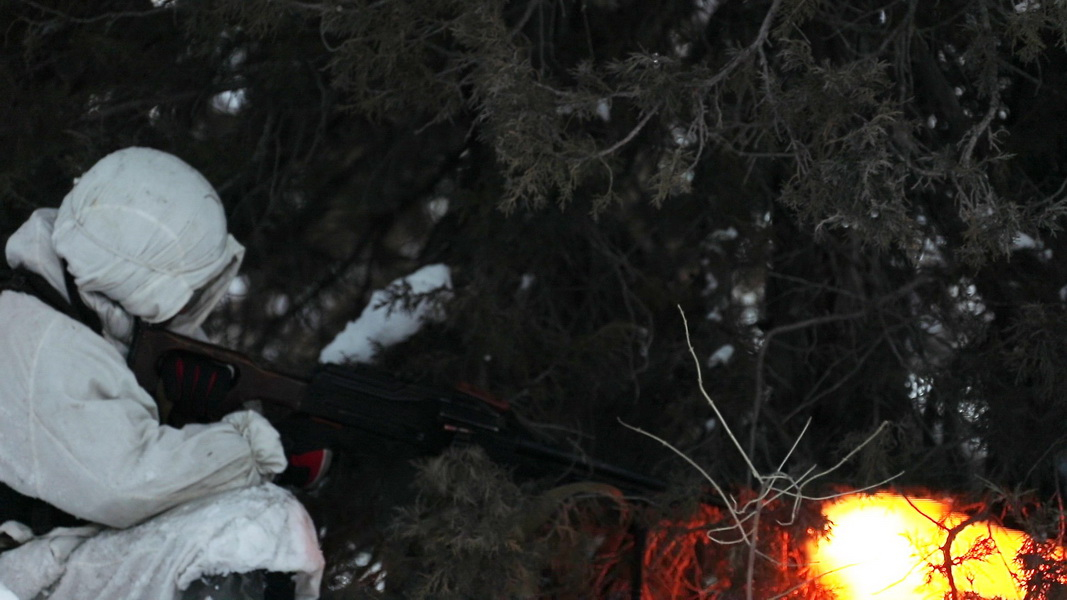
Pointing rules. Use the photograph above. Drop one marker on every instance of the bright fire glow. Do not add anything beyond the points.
(887, 547)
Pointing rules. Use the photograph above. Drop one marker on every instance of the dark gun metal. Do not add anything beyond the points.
(366, 410)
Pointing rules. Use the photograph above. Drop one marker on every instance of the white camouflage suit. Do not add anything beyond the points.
(143, 234)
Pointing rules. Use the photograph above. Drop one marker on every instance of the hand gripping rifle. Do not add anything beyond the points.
(368, 411)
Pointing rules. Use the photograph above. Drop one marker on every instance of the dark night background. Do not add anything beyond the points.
(856, 206)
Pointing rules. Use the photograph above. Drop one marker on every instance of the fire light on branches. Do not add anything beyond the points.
(877, 546)
(892, 547)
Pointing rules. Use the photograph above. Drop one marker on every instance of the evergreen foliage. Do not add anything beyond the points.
(856, 204)
(464, 533)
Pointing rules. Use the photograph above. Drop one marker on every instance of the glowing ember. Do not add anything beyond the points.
(889, 547)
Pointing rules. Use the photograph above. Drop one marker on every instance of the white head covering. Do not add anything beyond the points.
(142, 232)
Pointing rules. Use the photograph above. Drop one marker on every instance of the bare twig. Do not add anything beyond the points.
(749, 50)
(761, 356)
(744, 519)
(630, 136)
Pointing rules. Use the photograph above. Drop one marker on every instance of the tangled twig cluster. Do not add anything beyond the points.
(744, 511)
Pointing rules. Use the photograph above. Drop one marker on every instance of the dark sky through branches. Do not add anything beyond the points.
(856, 204)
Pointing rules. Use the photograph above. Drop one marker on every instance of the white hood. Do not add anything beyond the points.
(141, 231)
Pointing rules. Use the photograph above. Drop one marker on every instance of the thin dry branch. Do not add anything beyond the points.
(771, 487)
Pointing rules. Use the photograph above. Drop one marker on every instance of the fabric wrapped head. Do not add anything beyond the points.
(147, 231)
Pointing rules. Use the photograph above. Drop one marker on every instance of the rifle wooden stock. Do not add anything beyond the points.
(253, 382)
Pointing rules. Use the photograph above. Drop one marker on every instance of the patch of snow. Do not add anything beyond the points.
(278, 305)
(683, 138)
(603, 110)
(1021, 241)
(681, 49)
(385, 321)
(745, 296)
(721, 356)
(932, 326)
(238, 287)
(724, 235)
(711, 283)
(705, 9)
(749, 316)
(437, 208)
(237, 58)
(230, 102)
(931, 252)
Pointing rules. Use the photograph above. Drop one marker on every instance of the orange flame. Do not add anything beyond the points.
(890, 547)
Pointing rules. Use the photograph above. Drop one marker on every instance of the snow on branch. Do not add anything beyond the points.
(393, 315)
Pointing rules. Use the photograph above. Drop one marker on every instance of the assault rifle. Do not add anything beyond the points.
(368, 411)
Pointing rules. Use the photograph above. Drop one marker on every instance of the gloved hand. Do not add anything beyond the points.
(264, 440)
(194, 387)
